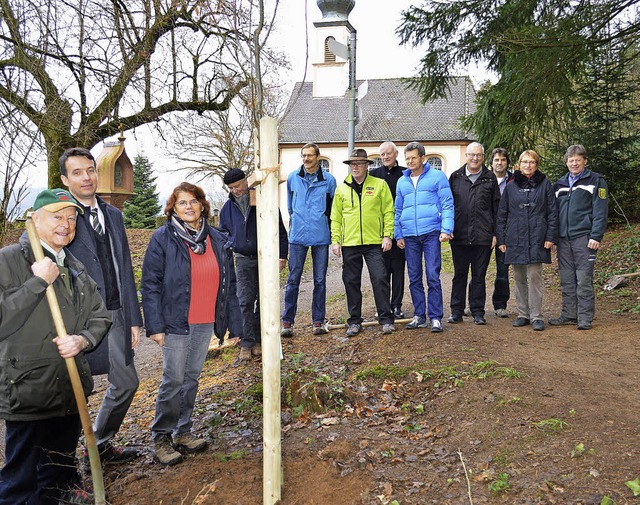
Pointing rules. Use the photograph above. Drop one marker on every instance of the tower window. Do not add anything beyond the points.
(329, 57)
(435, 162)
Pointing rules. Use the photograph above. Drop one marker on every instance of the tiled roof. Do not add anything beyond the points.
(390, 110)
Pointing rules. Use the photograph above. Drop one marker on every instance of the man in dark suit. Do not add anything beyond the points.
(101, 245)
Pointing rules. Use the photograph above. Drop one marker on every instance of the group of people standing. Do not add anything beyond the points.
(393, 216)
(199, 281)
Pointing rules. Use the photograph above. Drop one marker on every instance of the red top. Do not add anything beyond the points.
(205, 279)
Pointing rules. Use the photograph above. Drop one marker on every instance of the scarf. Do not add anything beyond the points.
(195, 239)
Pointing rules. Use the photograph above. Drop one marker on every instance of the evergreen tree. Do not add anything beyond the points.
(141, 210)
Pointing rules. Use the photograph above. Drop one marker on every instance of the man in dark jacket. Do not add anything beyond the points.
(394, 258)
(499, 163)
(476, 198)
(101, 245)
(238, 218)
(583, 205)
(36, 397)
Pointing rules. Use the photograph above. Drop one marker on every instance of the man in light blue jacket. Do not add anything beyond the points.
(309, 197)
(423, 219)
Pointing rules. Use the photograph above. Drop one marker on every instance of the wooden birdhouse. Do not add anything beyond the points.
(115, 173)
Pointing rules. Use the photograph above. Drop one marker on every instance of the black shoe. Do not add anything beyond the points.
(397, 313)
(562, 320)
(538, 325)
(584, 325)
(111, 455)
(521, 321)
(479, 320)
(454, 319)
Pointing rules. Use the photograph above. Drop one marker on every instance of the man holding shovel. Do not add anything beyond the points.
(36, 397)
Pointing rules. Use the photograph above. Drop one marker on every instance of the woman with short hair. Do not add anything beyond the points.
(188, 291)
(527, 228)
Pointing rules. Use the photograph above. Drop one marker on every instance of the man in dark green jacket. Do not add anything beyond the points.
(583, 206)
(36, 397)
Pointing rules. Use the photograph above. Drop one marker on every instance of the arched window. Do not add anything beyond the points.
(377, 162)
(325, 164)
(329, 57)
(435, 162)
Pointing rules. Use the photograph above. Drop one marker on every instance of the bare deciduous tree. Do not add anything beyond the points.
(80, 71)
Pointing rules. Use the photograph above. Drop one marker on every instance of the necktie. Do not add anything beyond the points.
(95, 222)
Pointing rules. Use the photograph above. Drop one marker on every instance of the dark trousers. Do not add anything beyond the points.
(40, 460)
(576, 263)
(501, 291)
(249, 299)
(352, 262)
(477, 258)
(394, 261)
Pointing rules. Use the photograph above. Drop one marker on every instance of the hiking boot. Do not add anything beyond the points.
(397, 313)
(256, 351)
(187, 442)
(502, 313)
(388, 328)
(584, 325)
(245, 354)
(454, 319)
(417, 322)
(520, 321)
(165, 454)
(537, 325)
(353, 330)
(436, 326)
(320, 328)
(112, 455)
(287, 330)
(77, 496)
(562, 320)
(479, 320)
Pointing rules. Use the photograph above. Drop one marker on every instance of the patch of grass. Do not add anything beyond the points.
(502, 458)
(223, 458)
(513, 399)
(580, 450)
(383, 372)
(248, 406)
(500, 484)
(228, 355)
(340, 320)
(551, 425)
(336, 297)
(215, 421)
(254, 391)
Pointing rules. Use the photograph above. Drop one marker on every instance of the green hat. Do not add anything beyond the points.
(56, 199)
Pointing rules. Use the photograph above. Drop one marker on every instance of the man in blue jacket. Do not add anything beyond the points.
(102, 246)
(309, 197)
(238, 218)
(423, 219)
(583, 205)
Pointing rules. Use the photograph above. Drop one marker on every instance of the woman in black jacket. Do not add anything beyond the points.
(527, 228)
(188, 294)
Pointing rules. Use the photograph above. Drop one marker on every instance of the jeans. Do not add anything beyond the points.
(501, 292)
(477, 257)
(182, 360)
(352, 277)
(429, 246)
(249, 299)
(40, 460)
(320, 260)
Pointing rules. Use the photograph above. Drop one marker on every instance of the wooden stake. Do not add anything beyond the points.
(78, 392)
(269, 279)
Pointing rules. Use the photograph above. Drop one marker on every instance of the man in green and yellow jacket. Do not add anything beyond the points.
(362, 227)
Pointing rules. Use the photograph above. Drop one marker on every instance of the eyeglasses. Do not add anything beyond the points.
(184, 203)
(475, 156)
(528, 162)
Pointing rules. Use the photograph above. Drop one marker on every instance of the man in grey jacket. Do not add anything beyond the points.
(36, 397)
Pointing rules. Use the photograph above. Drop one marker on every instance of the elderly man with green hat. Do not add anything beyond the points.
(36, 397)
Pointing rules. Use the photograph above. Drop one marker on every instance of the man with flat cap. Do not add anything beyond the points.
(238, 218)
(362, 228)
(36, 397)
